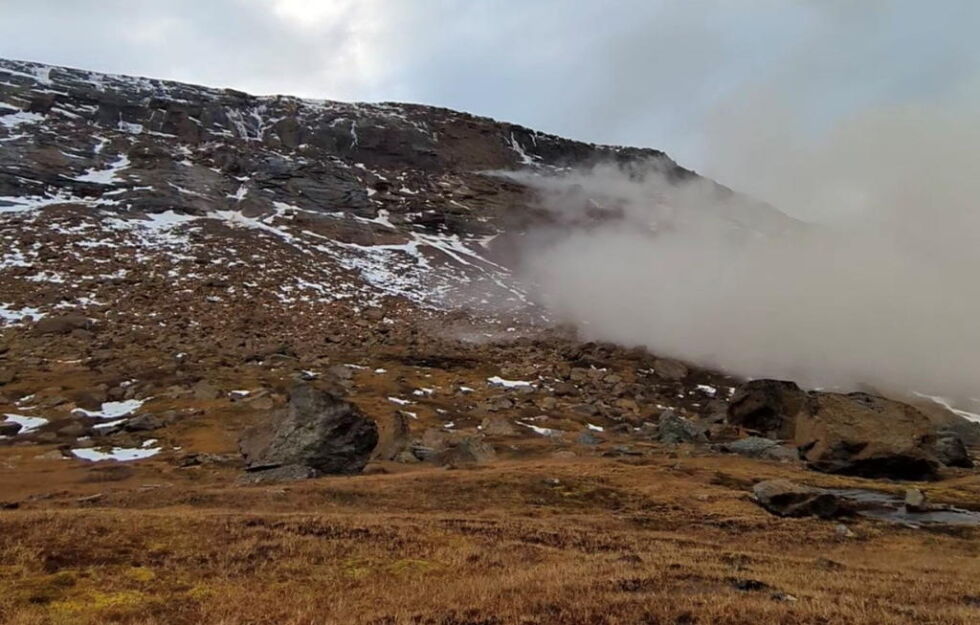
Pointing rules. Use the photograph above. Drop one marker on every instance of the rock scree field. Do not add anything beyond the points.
(271, 360)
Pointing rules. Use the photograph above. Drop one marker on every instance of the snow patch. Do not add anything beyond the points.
(119, 454)
(112, 409)
(27, 424)
(499, 381)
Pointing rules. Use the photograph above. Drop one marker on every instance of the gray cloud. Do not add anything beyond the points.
(639, 72)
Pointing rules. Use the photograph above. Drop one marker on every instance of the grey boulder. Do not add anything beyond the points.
(674, 429)
(788, 499)
(318, 431)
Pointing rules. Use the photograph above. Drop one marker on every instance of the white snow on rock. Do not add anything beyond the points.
(17, 315)
(109, 175)
(707, 389)
(119, 454)
(112, 409)
(540, 430)
(17, 119)
(27, 424)
(399, 401)
(499, 381)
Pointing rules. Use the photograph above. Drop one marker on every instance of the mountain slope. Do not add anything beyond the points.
(388, 199)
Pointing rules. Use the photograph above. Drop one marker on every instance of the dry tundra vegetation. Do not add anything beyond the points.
(550, 532)
(668, 538)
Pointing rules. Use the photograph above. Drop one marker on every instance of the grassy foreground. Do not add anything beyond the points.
(665, 540)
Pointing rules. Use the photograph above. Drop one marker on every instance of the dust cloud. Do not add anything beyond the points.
(866, 275)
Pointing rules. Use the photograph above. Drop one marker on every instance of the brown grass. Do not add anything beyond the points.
(663, 541)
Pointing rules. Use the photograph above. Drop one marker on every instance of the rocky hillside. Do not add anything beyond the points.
(375, 199)
(165, 241)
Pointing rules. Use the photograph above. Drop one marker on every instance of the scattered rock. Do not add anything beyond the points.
(341, 372)
(670, 369)
(785, 498)
(622, 450)
(196, 459)
(89, 399)
(674, 429)
(144, 423)
(585, 410)
(284, 473)
(844, 531)
(586, 437)
(765, 448)
(421, 452)
(7, 376)
(749, 585)
(466, 451)
(318, 431)
(915, 500)
(9, 428)
(205, 391)
(62, 324)
(497, 426)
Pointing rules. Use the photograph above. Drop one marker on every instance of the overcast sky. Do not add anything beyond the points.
(663, 74)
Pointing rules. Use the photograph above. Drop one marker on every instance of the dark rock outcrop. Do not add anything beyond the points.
(768, 407)
(318, 431)
(785, 498)
(951, 451)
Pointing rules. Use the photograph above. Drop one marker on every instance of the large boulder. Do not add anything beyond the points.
(768, 407)
(785, 498)
(866, 435)
(854, 434)
(318, 431)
